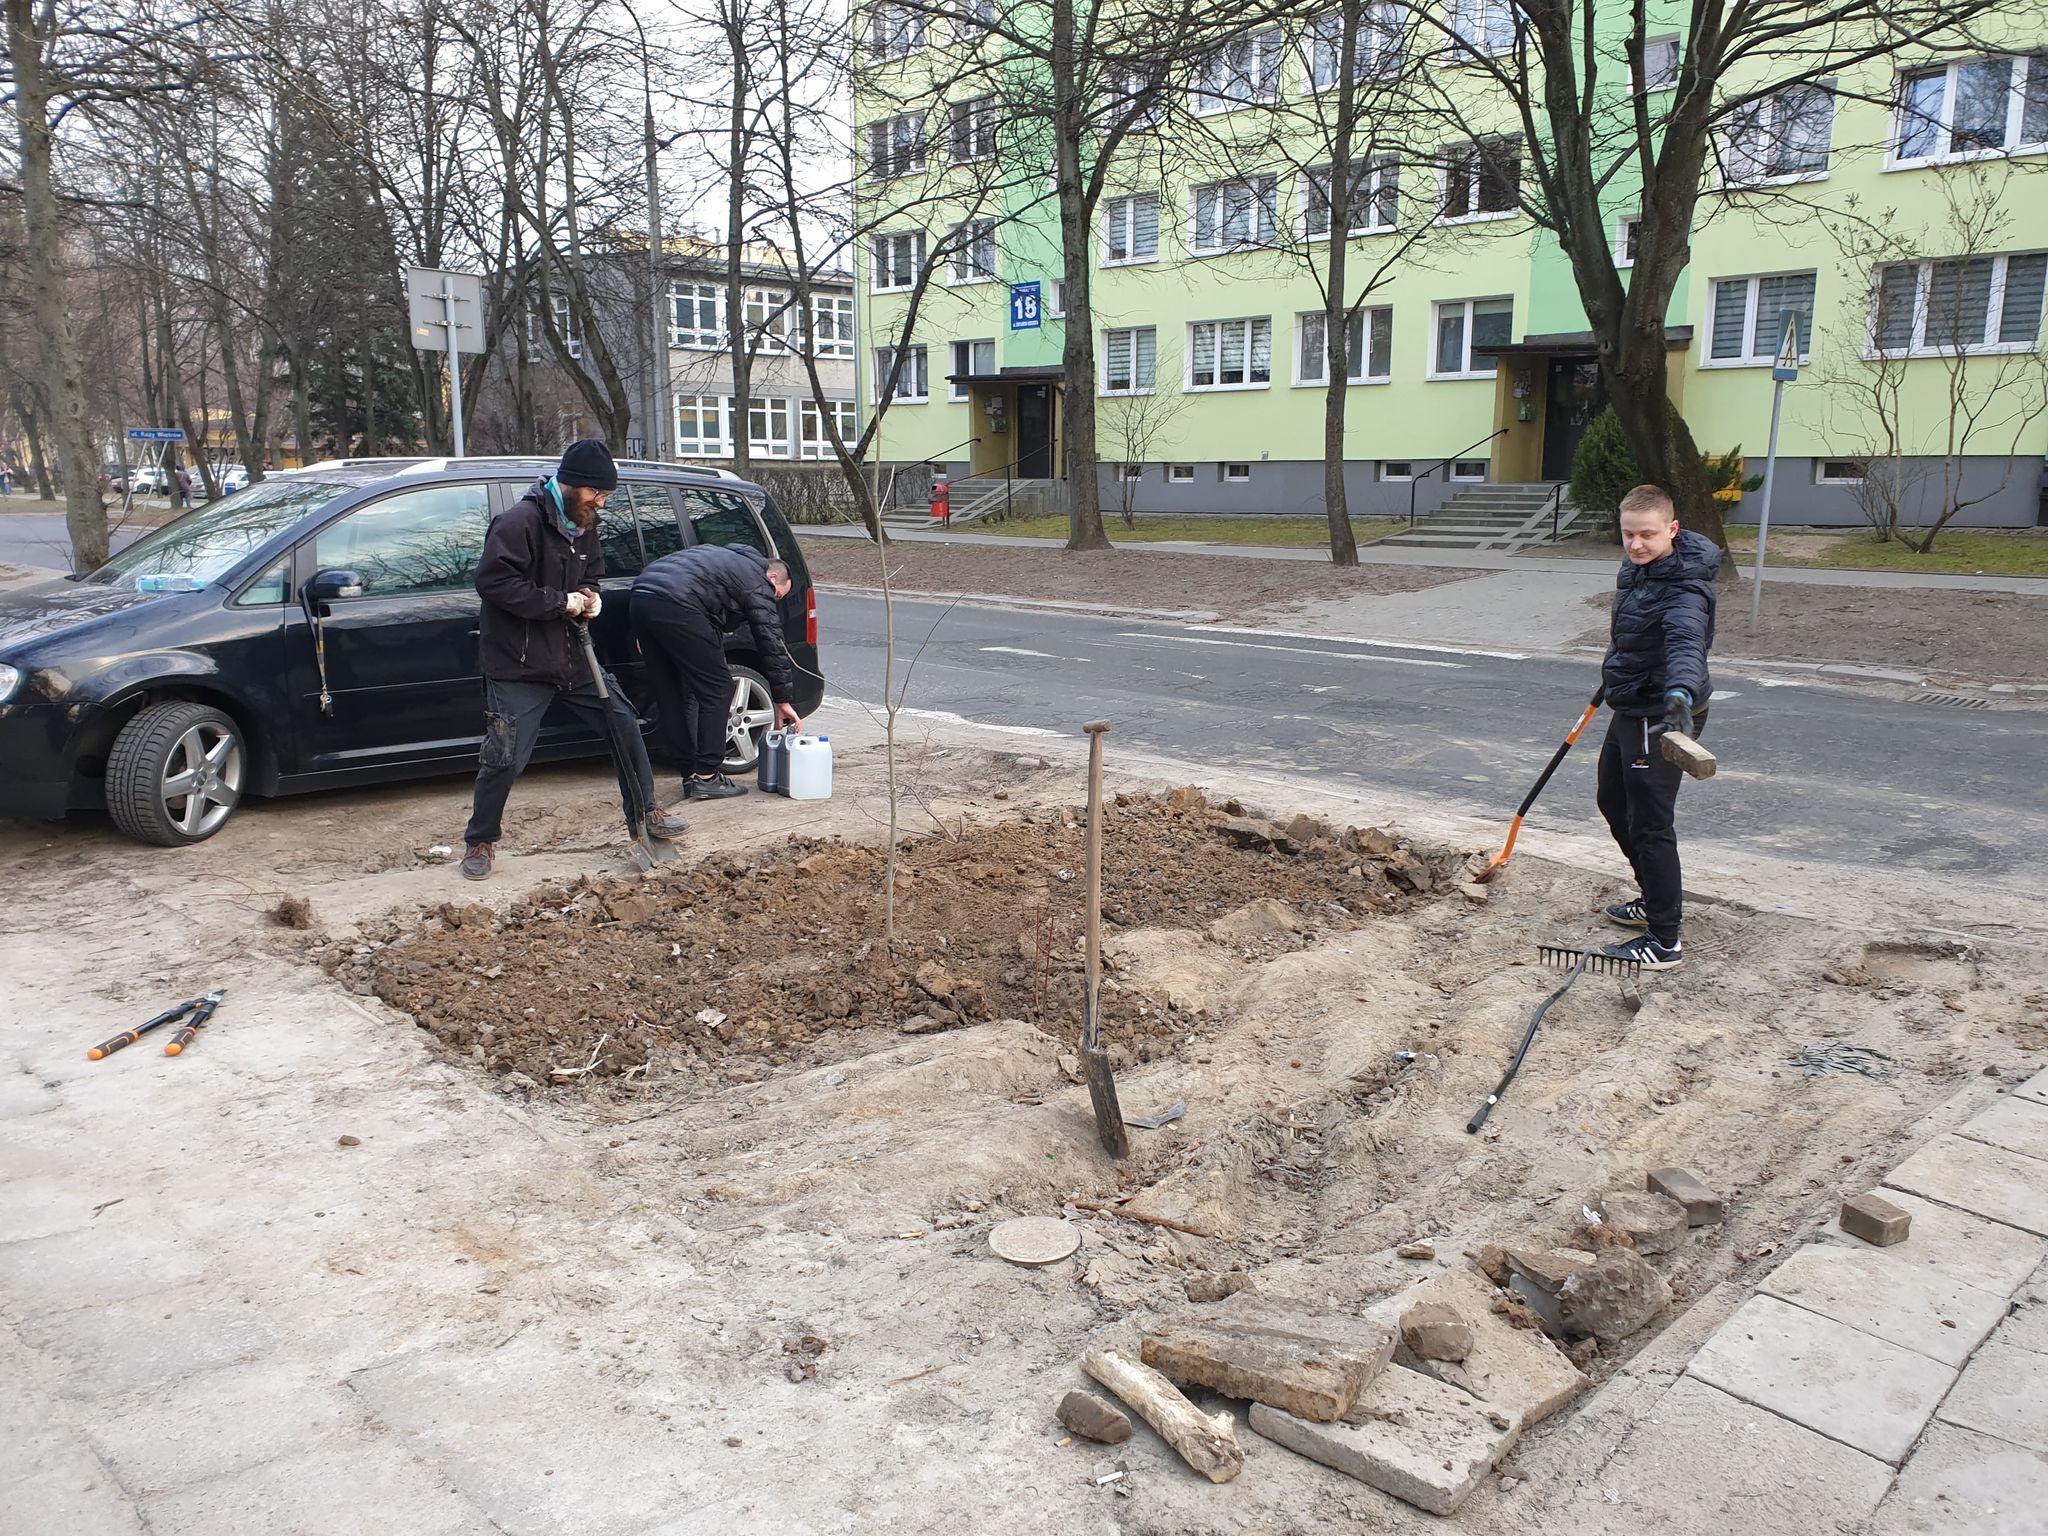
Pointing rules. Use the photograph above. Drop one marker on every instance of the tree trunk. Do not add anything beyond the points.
(1076, 418)
(1336, 313)
(38, 465)
(737, 340)
(49, 300)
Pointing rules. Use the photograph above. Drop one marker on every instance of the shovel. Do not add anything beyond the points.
(647, 852)
(1109, 1120)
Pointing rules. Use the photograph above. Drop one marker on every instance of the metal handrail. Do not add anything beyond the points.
(1556, 506)
(1009, 482)
(1417, 478)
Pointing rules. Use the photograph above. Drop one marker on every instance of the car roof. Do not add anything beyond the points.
(534, 464)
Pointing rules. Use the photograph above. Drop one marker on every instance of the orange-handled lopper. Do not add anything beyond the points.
(128, 1037)
(186, 1031)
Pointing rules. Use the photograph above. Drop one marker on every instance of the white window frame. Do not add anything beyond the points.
(1134, 332)
(1944, 121)
(959, 394)
(1055, 297)
(896, 146)
(1668, 49)
(1130, 472)
(1389, 476)
(972, 126)
(1308, 351)
(771, 318)
(774, 413)
(1484, 27)
(831, 329)
(1180, 474)
(1130, 81)
(1234, 473)
(1822, 477)
(1120, 217)
(1742, 165)
(1626, 225)
(1241, 71)
(971, 253)
(720, 407)
(694, 337)
(1923, 285)
(1749, 358)
(893, 243)
(565, 324)
(812, 443)
(1379, 47)
(1263, 211)
(916, 375)
(1460, 471)
(895, 31)
(1382, 175)
(1469, 371)
(1251, 324)
(972, 20)
(1473, 154)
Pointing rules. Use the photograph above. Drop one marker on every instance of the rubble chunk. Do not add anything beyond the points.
(1216, 1287)
(1612, 1298)
(1702, 1205)
(1876, 1220)
(1311, 1364)
(1509, 1368)
(1655, 1223)
(1089, 1416)
(1436, 1332)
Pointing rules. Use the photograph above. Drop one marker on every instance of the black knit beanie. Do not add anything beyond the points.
(589, 463)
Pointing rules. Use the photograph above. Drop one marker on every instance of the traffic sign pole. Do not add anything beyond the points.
(455, 364)
(1784, 369)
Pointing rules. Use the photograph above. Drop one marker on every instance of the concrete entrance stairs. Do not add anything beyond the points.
(977, 497)
(1501, 517)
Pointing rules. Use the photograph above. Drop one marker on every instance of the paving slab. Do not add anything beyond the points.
(2018, 1125)
(167, 1436)
(2027, 1327)
(1867, 1393)
(2034, 1088)
(100, 1351)
(1425, 1443)
(1966, 1249)
(1986, 1180)
(2001, 1394)
(1905, 1303)
(1700, 1460)
(68, 1492)
(1961, 1483)
(109, 1260)
(360, 1489)
(1509, 1367)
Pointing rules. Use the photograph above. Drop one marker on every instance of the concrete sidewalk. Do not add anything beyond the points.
(1599, 572)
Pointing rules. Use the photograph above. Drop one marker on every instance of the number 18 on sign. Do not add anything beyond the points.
(1026, 307)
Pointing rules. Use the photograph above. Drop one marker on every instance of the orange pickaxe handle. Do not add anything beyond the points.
(1549, 768)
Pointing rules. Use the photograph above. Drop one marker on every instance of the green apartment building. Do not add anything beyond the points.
(1900, 211)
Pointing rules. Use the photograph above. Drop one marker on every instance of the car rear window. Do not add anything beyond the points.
(723, 517)
(201, 547)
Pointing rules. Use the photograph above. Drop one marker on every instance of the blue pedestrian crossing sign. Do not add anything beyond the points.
(1026, 307)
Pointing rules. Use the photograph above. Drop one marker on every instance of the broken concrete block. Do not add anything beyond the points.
(1512, 1369)
(1417, 1439)
(1436, 1332)
(1216, 1287)
(1876, 1220)
(1541, 1303)
(1547, 1269)
(1702, 1205)
(1612, 1298)
(1597, 1236)
(1654, 1223)
(1090, 1417)
(1311, 1364)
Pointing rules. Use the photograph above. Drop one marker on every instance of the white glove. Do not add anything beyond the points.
(595, 606)
(576, 605)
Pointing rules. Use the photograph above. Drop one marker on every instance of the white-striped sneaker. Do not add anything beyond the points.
(1628, 914)
(1648, 953)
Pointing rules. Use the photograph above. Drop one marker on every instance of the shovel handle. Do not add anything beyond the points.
(1096, 730)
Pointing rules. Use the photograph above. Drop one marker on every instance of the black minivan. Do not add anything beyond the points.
(320, 629)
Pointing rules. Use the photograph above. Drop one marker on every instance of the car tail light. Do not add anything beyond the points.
(810, 615)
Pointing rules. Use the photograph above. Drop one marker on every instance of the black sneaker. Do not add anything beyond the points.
(1649, 954)
(476, 861)
(665, 825)
(717, 787)
(1628, 914)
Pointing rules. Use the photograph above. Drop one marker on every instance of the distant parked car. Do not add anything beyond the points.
(148, 480)
(231, 477)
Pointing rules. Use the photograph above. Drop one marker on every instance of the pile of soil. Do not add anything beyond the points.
(752, 963)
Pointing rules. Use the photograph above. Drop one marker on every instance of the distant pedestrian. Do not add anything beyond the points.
(183, 480)
(6, 481)
(683, 604)
(1655, 676)
(540, 569)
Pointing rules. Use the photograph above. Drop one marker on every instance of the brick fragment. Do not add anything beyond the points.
(1876, 1220)
(1090, 1417)
(1702, 1205)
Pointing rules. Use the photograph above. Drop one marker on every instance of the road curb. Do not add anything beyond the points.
(999, 600)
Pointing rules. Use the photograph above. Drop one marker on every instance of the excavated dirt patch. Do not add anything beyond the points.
(750, 963)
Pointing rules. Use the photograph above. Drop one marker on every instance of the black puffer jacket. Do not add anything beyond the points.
(527, 573)
(728, 584)
(1663, 627)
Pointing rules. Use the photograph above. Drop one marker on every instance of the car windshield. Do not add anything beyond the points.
(196, 550)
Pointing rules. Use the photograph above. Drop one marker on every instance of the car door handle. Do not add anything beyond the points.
(476, 634)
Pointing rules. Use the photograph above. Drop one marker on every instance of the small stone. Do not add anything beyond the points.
(1089, 1416)
(1416, 1251)
(1702, 1205)
(1655, 1223)
(920, 1024)
(1434, 1331)
(350, 1141)
(1598, 1236)
(631, 909)
(1215, 1287)
(1613, 1298)
(1475, 893)
(1876, 1220)
(1492, 1261)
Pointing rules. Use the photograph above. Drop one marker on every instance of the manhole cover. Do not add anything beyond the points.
(1034, 1240)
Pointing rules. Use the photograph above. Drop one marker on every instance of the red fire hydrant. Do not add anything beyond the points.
(942, 506)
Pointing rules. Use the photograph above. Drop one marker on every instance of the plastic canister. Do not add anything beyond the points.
(810, 768)
(771, 771)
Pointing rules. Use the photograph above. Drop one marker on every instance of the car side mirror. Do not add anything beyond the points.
(329, 586)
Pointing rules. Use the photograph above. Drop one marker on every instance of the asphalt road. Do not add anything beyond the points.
(38, 538)
(1807, 772)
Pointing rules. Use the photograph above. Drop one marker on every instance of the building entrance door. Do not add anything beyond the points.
(1575, 396)
(1034, 431)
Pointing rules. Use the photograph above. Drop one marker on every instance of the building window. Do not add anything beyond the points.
(1180, 474)
(1378, 47)
(1628, 233)
(1230, 354)
(1839, 471)
(771, 319)
(1231, 215)
(696, 316)
(971, 130)
(972, 19)
(1469, 469)
(970, 357)
(768, 427)
(832, 324)
(1481, 180)
(1241, 72)
(1745, 317)
(896, 145)
(971, 252)
(1397, 470)
(1130, 229)
(1131, 472)
(895, 31)
(703, 427)
(1959, 304)
(913, 384)
(566, 326)
(1369, 344)
(898, 262)
(1972, 107)
(815, 442)
(1660, 63)
(1483, 26)
(1056, 299)
(1375, 197)
(1784, 136)
(1130, 359)
(1236, 474)
(1464, 329)
(1135, 91)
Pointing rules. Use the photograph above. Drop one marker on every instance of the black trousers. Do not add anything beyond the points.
(692, 682)
(1639, 797)
(512, 720)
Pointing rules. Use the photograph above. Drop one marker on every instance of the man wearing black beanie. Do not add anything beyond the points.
(540, 569)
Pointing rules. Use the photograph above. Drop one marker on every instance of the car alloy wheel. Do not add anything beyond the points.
(753, 712)
(202, 780)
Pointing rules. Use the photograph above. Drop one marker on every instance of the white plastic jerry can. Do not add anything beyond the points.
(810, 768)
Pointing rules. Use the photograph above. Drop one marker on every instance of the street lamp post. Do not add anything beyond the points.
(658, 378)
(1784, 369)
